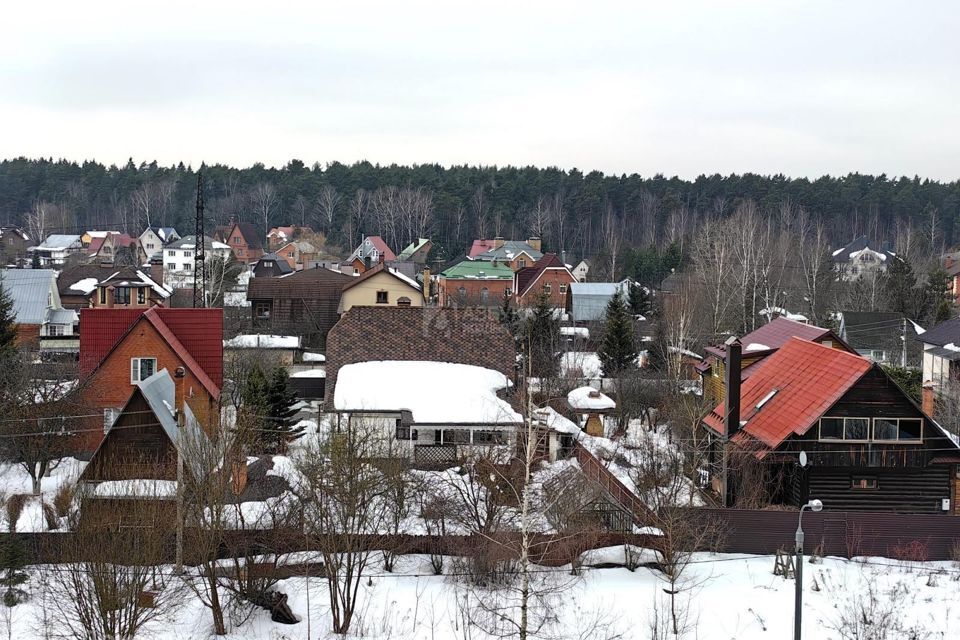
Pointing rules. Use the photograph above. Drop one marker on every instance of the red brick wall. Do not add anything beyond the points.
(555, 277)
(28, 335)
(110, 387)
(450, 296)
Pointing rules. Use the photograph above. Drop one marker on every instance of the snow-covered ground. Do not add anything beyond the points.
(14, 481)
(730, 597)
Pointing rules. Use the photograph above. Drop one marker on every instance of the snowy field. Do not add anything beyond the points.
(730, 597)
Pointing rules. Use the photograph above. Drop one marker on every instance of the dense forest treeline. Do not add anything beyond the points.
(621, 220)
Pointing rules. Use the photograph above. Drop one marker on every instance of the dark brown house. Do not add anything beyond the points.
(461, 336)
(869, 446)
(302, 303)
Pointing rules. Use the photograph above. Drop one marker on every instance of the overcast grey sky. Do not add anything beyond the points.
(802, 88)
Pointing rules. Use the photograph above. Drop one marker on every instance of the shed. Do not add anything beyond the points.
(589, 300)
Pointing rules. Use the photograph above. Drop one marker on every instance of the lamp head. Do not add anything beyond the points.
(815, 505)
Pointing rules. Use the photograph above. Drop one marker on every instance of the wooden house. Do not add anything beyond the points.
(130, 288)
(869, 446)
(14, 246)
(302, 303)
(270, 265)
(120, 348)
(381, 286)
(756, 346)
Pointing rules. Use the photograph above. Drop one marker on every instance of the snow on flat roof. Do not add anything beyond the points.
(314, 357)
(87, 285)
(756, 346)
(555, 421)
(310, 373)
(582, 332)
(590, 398)
(256, 341)
(431, 391)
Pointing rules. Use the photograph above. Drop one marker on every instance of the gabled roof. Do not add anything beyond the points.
(805, 380)
(480, 246)
(873, 329)
(195, 335)
(528, 275)
(190, 242)
(133, 277)
(281, 232)
(412, 248)
(850, 251)
(774, 335)
(946, 332)
(508, 251)
(30, 290)
(382, 268)
(250, 235)
(60, 241)
(368, 245)
(282, 265)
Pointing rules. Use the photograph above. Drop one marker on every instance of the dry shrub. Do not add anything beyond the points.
(15, 505)
(63, 499)
(50, 516)
(913, 551)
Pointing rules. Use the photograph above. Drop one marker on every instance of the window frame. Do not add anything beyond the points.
(260, 307)
(383, 297)
(121, 298)
(843, 437)
(871, 430)
(138, 367)
(871, 482)
(141, 295)
(898, 440)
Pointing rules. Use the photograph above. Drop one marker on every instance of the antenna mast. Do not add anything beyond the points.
(199, 262)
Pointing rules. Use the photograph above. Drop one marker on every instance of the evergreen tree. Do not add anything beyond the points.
(280, 427)
(899, 287)
(936, 298)
(10, 360)
(618, 349)
(12, 575)
(8, 323)
(639, 300)
(254, 409)
(541, 339)
(35, 261)
(509, 318)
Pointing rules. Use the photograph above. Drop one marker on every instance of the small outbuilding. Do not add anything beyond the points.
(591, 405)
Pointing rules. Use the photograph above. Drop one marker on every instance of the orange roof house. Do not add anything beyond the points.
(868, 444)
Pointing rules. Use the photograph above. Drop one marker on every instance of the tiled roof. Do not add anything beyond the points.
(196, 335)
(807, 378)
(528, 275)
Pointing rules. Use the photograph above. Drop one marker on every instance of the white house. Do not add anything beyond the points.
(581, 270)
(179, 259)
(862, 258)
(55, 250)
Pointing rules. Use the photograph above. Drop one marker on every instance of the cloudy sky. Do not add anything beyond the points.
(801, 88)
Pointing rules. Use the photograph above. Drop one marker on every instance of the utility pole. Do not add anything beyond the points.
(200, 258)
(813, 505)
(903, 337)
(179, 375)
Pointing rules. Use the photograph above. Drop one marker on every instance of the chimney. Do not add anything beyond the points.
(497, 242)
(238, 475)
(563, 256)
(366, 263)
(426, 282)
(731, 397)
(928, 399)
(535, 242)
(383, 258)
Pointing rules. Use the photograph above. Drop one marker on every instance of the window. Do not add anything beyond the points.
(103, 294)
(171, 254)
(507, 292)
(462, 292)
(187, 266)
(898, 429)
(563, 287)
(141, 295)
(403, 302)
(268, 264)
(262, 310)
(489, 437)
(521, 263)
(188, 254)
(142, 368)
(121, 295)
(149, 245)
(356, 271)
(844, 428)
(56, 330)
(456, 436)
(547, 289)
(404, 432)
(863, 482)
(878, 355)
(382, 297)
(484, 295)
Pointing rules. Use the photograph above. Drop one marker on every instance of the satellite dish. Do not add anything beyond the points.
(803, 458)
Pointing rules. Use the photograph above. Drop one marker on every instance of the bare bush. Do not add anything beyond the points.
(870, 614)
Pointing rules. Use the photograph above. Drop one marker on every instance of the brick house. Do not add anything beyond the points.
(474, 283)
(517, 254)
(280, 236)
(302, 303)
(550, 276)
(122, 347)
(298, 254)
(243, 239)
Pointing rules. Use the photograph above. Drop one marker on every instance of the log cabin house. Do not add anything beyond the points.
(869, 446)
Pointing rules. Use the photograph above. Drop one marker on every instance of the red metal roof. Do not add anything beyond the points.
(480, 246)
(195, 335)
(382, 247)
(808, 379)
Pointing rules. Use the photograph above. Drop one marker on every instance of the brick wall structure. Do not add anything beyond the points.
(460, 336)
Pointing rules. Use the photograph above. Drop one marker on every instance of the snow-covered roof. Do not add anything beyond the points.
(309, 373)
(314, 357)
(455, 393)
(553, 420)
(87, 285)
(590, 399)
(257, 341)
(581, 332)
(756, 346)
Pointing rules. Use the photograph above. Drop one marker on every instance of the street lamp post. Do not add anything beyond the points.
(816, 506)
